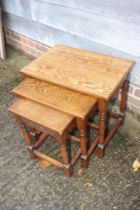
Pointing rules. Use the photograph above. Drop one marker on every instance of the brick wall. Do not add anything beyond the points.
(25, 44)
(134, 98)
(35, 49)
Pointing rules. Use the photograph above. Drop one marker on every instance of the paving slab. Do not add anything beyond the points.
(108, 184)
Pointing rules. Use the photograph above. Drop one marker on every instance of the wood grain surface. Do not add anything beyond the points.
(42, 115)
(87, 72)
(60, 98)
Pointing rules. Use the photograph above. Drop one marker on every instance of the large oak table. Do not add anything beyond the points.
(91, 73)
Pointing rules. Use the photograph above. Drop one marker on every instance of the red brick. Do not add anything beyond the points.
(13, 43)
(8, 40)
(16, 36)
(7, 32)
(34, 52)
(24, 47)
(24, 43)
(42, 48)
(27, 41)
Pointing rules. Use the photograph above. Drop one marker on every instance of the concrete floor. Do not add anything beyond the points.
(24, 185)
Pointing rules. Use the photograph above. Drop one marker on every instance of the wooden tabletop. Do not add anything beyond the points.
(85, 71)
(42, 115)
(57, 97)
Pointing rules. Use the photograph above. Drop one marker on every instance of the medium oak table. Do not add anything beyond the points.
(92, 73)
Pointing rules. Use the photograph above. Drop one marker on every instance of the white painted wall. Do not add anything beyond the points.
(106, 26)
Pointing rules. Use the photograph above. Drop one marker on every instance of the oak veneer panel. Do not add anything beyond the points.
(88, 72)
(60, 98)
(42, 115)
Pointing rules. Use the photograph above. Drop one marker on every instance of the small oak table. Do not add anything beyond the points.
(95, 74)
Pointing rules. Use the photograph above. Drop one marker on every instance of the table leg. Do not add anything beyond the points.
(124, 99)
(102, 107)
(81, 124)
(26, 137)
(67, 166)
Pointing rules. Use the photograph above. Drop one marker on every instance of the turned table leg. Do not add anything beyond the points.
(124, 99)
(68, 170)
(81, 125)
(26, 137)
(102, 128)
